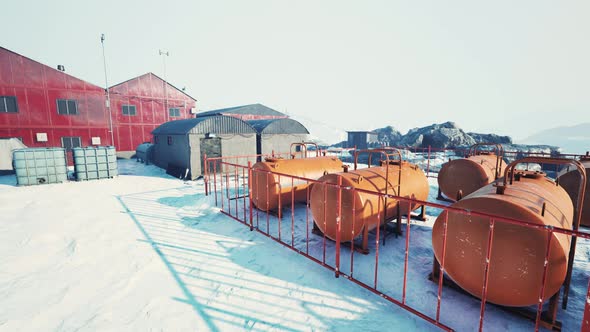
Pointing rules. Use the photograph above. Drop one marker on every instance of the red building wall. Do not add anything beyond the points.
(37, 88)
(148, 94)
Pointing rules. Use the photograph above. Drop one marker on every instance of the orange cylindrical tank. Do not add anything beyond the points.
(570, 179)
(268, 188)
(468, 174)
(360, 208)
(518, 252)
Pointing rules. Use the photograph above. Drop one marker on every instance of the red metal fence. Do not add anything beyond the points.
(229, 181)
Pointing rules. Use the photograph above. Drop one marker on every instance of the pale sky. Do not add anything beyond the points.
(508, 67)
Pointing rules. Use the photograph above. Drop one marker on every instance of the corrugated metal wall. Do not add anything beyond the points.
(175, 151)
(279, 143)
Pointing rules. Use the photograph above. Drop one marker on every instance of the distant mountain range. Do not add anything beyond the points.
(573, 139)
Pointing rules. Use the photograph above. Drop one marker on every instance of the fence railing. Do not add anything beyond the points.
(230, 184)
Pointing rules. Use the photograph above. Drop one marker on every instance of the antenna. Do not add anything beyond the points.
(166, 110)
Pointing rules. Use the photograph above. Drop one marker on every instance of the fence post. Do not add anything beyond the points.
(586, 321)
(250, 194)
(206, 175)
(484, 291)
(338, 226)
(428, 163)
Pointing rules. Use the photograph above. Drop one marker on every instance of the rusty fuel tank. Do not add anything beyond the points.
(268, 187)
(518, 253)
(361, 211)
(467, 175)
(569, 179)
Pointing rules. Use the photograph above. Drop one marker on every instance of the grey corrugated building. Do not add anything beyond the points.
(362, 139)
(277, 134)
(181, 144)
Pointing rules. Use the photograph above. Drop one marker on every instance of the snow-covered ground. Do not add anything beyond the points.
(145, 251)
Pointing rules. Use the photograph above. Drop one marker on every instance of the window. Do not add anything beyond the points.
(129, 110)
(70, 142)
(174, 112)
(8, 104)
(67, 107)
(169, 140)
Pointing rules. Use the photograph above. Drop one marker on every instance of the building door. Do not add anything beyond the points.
(212, 147)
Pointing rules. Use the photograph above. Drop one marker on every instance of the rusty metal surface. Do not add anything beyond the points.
(517, 261)
(360, 209)
(269, 190)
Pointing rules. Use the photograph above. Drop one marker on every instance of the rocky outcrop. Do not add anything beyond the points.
(490, 138)
(388, 136)
(443, 135)
(449, 135)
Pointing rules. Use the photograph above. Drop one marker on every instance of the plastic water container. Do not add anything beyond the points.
(40, 166)
(94, 163)
(143, 153)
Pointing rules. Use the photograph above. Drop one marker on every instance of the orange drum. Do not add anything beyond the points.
(468, 174)
(518, 252)
(362, 210)
(268, 187)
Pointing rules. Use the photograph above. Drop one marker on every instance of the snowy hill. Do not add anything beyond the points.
(572, 139)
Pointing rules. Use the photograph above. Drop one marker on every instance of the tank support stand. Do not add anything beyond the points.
(548, 318)
(440, 197)
(422, 215)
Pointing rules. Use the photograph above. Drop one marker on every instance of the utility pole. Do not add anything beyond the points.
(164, 55)
(108, 101)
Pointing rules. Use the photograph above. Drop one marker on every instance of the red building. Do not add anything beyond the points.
(142, 104)
(45, 107)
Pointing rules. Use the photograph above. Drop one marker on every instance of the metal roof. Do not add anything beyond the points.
(253, 109)
(278, 126)
(219, 124)
(156, 76)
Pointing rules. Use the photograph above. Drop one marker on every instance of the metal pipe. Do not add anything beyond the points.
(543, 280)
(484, 291)
(441, 274)
(292, 212)
(338, 226)
(376, 242)
(165, 85)
(407, 253)
(106, 82)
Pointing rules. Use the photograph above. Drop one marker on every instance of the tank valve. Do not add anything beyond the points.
(345, 168)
